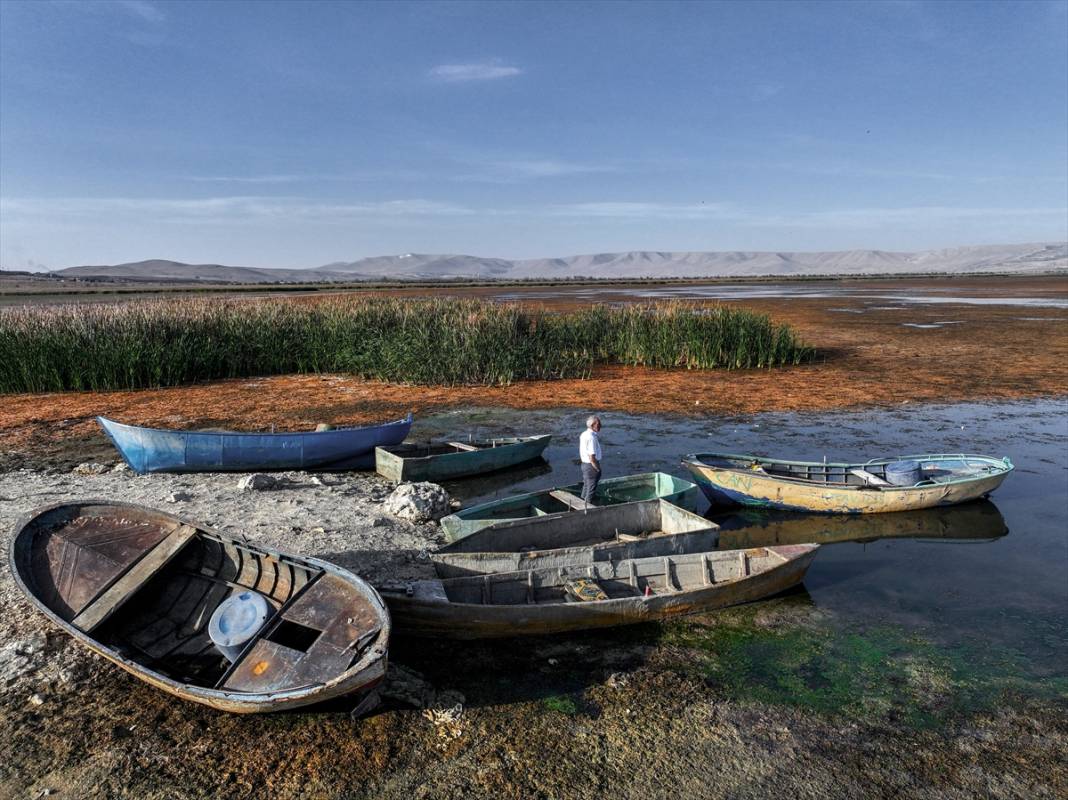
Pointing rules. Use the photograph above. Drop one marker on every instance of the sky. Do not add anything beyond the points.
(280, 134)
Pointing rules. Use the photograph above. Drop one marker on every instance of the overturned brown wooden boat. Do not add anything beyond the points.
(197, 613)
(602, 594)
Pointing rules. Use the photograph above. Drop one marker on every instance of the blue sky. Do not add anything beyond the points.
(295, 134)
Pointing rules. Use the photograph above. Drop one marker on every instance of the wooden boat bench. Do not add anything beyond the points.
(462, 446)
(127, 584)
(574, 502)
(308, 641)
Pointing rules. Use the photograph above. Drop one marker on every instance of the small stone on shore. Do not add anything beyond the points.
(257, 482)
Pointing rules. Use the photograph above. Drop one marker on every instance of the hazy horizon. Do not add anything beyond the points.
(292, 135)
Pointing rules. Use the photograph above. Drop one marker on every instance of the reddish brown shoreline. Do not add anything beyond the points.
(869, 358)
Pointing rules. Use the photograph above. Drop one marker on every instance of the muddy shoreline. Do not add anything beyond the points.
(778, 698)
(635, 713)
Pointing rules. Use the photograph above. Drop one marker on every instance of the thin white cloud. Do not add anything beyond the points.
(228, 210)
(515, 170)
(461, 73)
(766, 91)
(282, 178)
(142, 9)
(630, 210)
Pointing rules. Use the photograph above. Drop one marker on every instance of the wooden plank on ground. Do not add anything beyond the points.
(133, 579)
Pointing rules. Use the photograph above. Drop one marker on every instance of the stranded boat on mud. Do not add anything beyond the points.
(609, 533)
(611, 491)
(602, 594)
(154, 450)
(903, 483)
(198, 614)
(428, 461)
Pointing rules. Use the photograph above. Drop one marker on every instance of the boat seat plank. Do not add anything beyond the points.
(571, 501)
(462, 446)
(133, 579)
(869, 478)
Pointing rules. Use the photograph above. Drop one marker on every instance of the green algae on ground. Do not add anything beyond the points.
(877, 673)
(562, 704)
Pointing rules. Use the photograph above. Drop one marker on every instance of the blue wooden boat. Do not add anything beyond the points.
(154, 450)
(439, 461)
(611, 491)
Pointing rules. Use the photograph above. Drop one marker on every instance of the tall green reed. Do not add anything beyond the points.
(427, 341)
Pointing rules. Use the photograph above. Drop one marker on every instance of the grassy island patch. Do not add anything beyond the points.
(149, 344)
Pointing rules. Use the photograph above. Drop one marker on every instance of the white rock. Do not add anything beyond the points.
(122, 466)
(257, 481)
(89, 468)
(418, 502)
(179, 497)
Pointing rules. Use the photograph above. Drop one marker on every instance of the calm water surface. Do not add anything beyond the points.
(965, 584)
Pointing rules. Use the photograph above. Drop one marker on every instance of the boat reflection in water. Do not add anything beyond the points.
(977, 521)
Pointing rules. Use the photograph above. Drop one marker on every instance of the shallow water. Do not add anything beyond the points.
(916, 296)
(995, 603)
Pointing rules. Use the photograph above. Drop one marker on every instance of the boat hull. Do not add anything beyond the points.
(392, 463)
(611, 491)
(421, 617)
(95, 544)
(733, 486)
(149, 450)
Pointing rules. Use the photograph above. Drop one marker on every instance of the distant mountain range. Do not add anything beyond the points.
(634, 264)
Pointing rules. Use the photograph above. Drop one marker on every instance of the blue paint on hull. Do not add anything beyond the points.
(153, 450)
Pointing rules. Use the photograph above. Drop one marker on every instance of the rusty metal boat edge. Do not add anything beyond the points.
(361, 677)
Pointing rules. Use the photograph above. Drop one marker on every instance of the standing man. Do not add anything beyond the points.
(590, 456)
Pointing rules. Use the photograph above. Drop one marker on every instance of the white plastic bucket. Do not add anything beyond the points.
(236, 621)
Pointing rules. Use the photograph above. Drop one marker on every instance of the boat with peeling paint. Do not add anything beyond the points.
(441, 461)
(870, 487)
(585, 596)
(149, 592)
(628, 530)
(566, 499)
(157, 450)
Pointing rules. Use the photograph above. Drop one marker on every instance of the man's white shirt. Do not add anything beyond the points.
(589, 445)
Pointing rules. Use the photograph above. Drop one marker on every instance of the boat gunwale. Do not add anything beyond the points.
(373, 659)
(510, 441)
(105, 421)
(1004, 464)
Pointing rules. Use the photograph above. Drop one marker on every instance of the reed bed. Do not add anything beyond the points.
(157, 343)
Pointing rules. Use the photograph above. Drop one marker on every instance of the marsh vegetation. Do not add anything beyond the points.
(439, 341)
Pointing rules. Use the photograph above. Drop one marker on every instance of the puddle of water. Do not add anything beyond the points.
(940, 324)
(951, 578)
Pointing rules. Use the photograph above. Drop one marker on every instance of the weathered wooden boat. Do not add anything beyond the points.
(585, 596)
(155, 450)
(629, 530)
(430, 461)
(610, 491)
(977, 521)
(903, 483)
(176, 604)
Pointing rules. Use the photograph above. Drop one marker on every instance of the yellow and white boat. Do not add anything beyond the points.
(902, 483)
